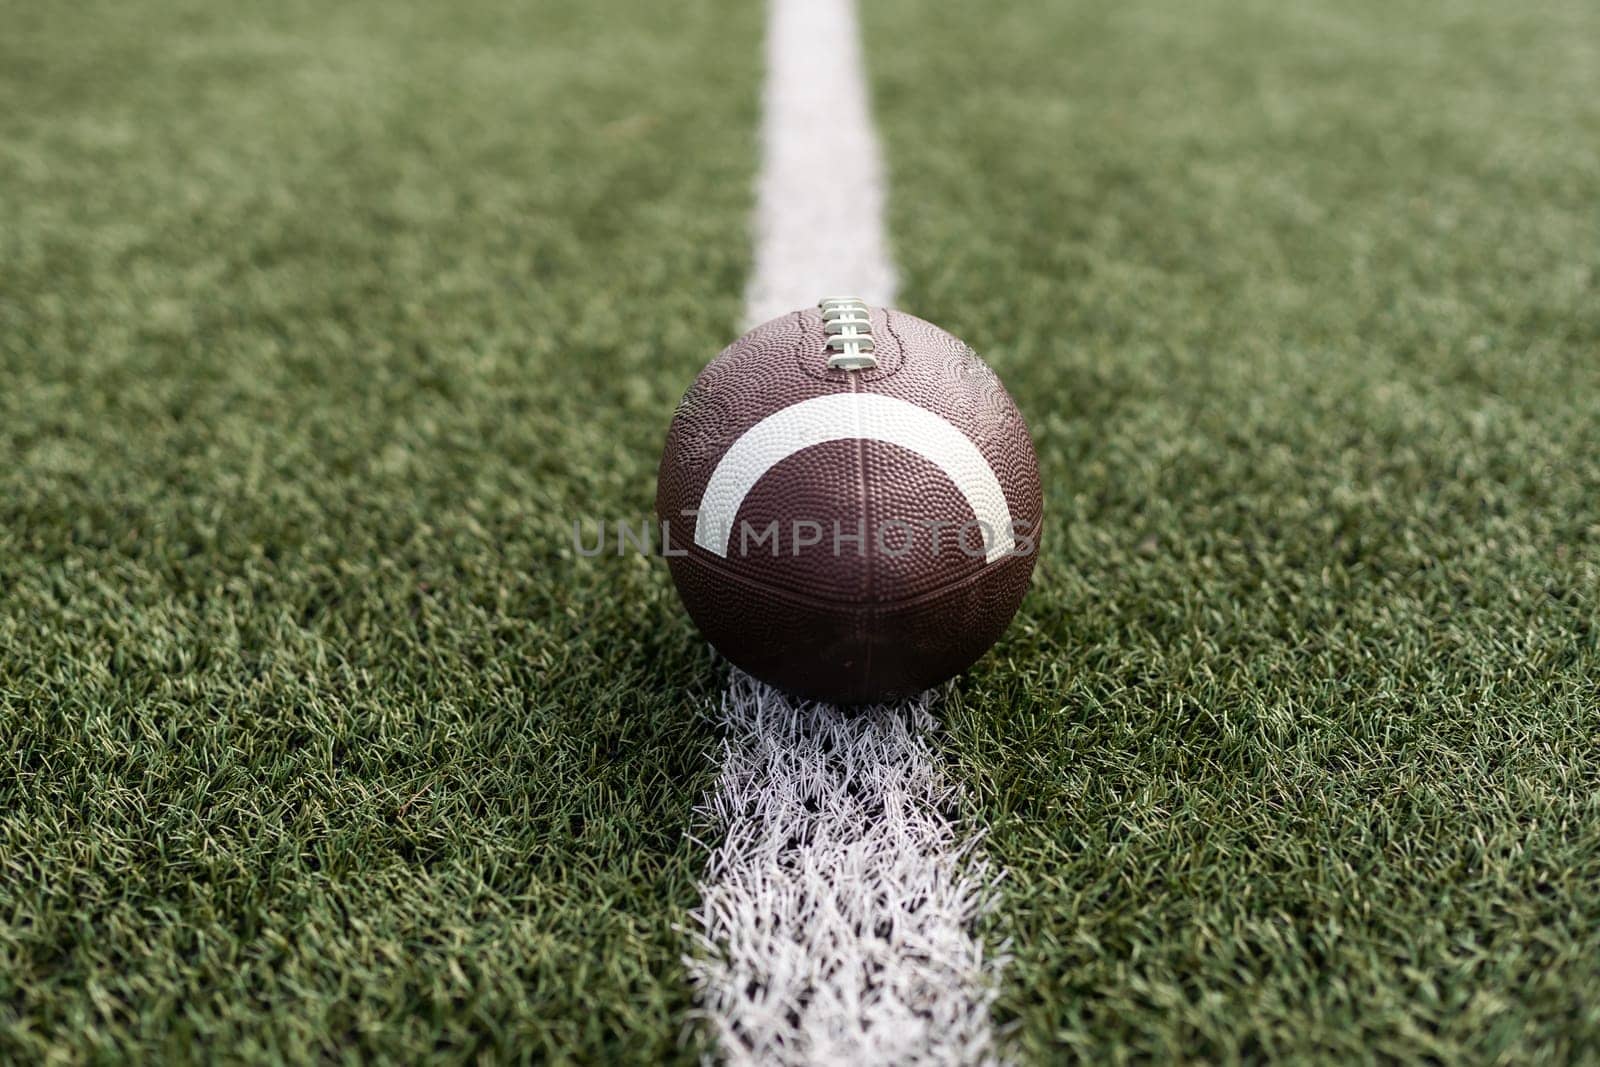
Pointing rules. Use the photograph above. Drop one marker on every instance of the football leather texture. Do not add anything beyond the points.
(849, 535)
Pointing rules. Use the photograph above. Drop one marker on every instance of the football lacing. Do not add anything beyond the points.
(848, 327)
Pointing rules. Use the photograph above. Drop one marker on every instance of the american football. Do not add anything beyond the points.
(855, 500)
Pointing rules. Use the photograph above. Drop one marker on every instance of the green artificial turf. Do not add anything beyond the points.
(1295, 749)
(320, 323)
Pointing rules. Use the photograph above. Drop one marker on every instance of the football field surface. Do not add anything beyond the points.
(320, 325)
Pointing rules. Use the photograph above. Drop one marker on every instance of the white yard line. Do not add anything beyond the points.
(819, 204)
(837, 908)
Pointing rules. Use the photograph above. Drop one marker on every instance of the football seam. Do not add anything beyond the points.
(700, 558)
(867, 570)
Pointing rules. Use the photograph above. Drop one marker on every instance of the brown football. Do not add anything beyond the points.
(850, 503)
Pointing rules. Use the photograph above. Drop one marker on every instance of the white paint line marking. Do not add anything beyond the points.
(820, 198)
(837, 914)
